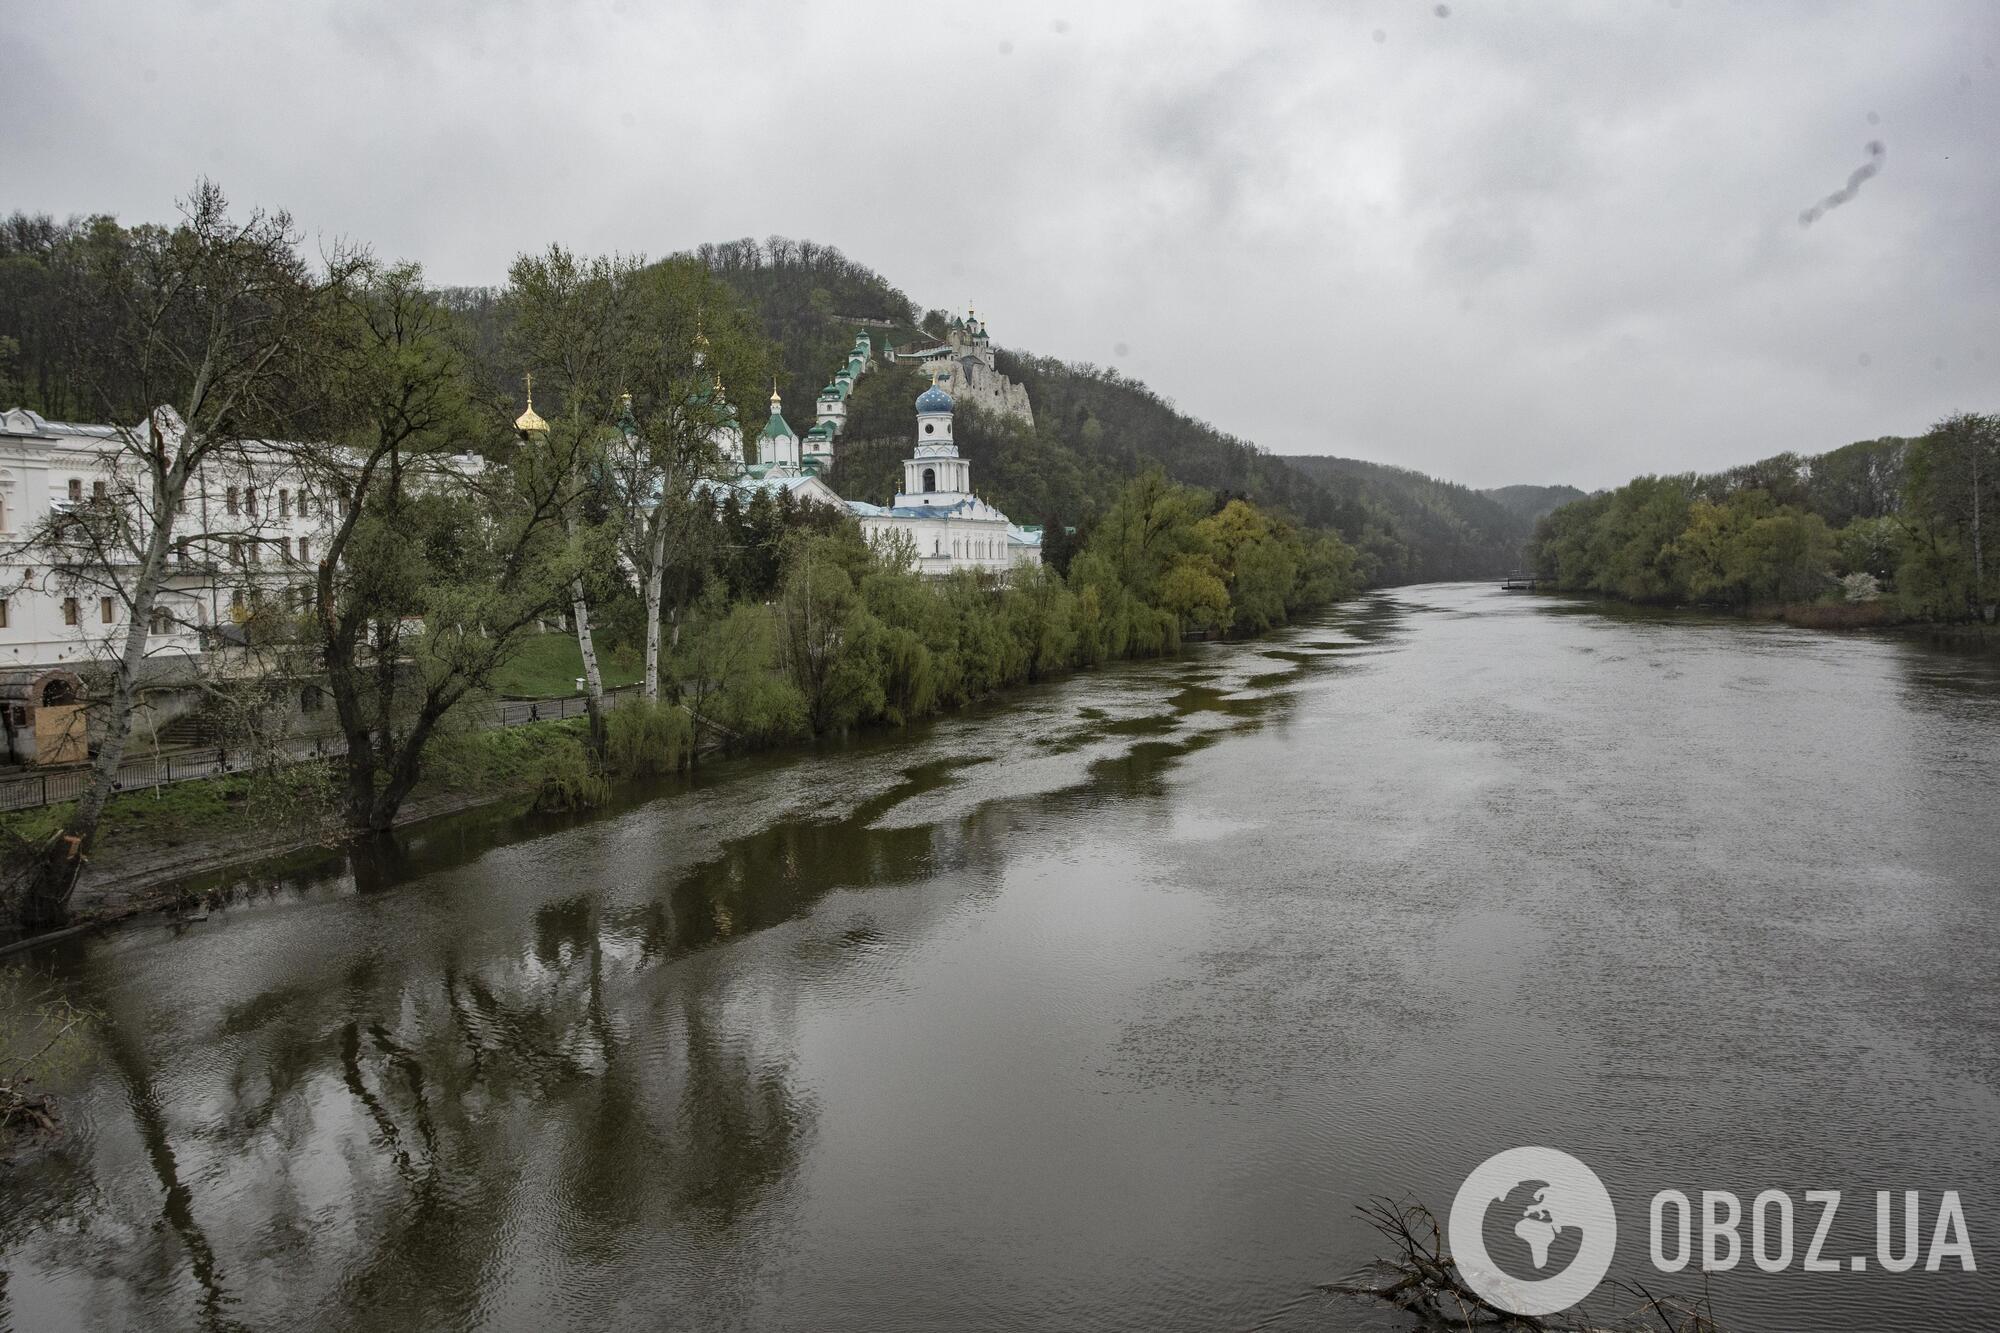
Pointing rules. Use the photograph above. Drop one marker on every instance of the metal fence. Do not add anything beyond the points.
(56, 785)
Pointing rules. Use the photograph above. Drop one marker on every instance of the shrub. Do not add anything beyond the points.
(569, 780)
(647, 739)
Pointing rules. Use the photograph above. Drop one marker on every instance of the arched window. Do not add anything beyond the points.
(930, 479)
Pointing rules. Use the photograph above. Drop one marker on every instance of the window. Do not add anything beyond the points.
(285, 548)
(929, 426)
(930, 479)
(236, 599)
(250, 501)
(71, 613)
(305, 503)
(76, 490)
(201, 613)
(97, 490)
(104, 610)
(161, 622)
(229, 500)
(3, 613)
(181, 551)
(235, 550)
(302, 550)
(284, 504)
(255, 551)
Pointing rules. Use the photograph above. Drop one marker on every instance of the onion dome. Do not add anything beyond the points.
(530, 422)
(934, 399)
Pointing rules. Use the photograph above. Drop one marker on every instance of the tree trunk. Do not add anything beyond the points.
(593, 680)
(45, 902)
(655, 578)
(1985, 605)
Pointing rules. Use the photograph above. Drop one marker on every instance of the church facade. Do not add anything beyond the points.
(944, 525)
(936, 516)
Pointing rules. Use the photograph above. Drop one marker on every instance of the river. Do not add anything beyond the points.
(1097, 1009)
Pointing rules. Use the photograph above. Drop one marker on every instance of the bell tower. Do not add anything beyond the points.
(934, 474)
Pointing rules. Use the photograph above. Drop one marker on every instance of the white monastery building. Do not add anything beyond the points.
(949, 527)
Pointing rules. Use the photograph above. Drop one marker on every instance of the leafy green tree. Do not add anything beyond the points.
(435, 572)
(1954, 487)
(1192, 591)
(826, 637)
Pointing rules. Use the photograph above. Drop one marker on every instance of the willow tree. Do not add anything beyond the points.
(208, 334)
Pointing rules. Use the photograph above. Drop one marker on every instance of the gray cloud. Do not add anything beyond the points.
(1524, 242)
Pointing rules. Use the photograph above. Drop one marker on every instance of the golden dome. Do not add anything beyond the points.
(530, 422)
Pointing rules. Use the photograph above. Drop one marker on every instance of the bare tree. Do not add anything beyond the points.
(207, 334)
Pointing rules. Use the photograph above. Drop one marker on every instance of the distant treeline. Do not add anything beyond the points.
(1897, 525)
(1422, 529)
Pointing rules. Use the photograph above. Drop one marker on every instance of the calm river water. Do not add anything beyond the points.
(1100, 1010)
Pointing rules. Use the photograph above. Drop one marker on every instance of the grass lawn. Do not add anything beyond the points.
(547, 667)
(186, 812)
(212, 810)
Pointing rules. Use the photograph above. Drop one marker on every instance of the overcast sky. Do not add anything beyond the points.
(1493, 241)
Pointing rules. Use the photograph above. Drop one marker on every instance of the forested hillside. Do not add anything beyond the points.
(1431, 529)
(1531, 502)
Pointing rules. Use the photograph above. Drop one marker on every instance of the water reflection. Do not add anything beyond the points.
(402, 1123)
(1097, 1009)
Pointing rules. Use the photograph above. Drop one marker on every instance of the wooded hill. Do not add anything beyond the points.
(1094, 427)
(1438, 529)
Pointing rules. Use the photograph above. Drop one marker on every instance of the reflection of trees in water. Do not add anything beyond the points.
(569, 1101)
(421, 1133)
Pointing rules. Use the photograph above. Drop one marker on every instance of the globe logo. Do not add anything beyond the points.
(1532, 1230)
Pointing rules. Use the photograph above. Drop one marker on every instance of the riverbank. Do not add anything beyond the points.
(154, 841)
(1876, 617)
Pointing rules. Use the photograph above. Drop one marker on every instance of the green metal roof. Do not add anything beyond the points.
(777, 426)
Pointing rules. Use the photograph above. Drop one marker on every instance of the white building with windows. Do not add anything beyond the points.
(947, 525)
(248, 535)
